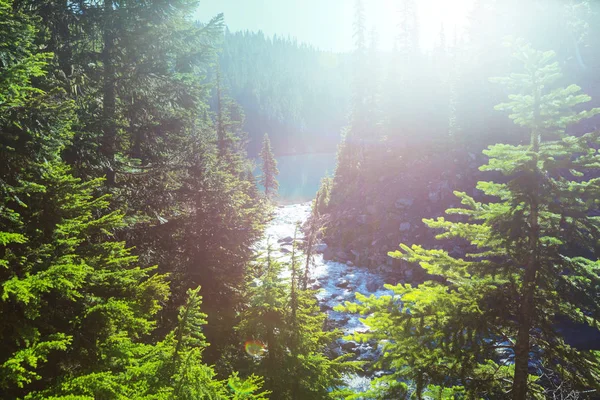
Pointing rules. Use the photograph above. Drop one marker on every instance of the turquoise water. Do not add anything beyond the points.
(300, 175)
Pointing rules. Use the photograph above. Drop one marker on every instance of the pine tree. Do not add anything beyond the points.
(529, 263)
(350, 150)
(72, 296)
(269, 169)
(287, 321)
(173, 368)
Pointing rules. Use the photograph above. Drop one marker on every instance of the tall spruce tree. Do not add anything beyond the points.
(349, 154)
(490, 325)
(269, 170)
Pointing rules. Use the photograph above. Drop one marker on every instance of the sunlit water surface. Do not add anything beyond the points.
(337, 282)
(300, 175)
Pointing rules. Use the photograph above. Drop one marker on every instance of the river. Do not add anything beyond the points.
(336, 282)
(300, 175)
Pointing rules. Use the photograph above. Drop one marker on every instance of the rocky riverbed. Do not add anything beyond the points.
(337, 282)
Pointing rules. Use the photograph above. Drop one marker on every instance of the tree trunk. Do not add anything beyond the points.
(109, 96)
(527, 309)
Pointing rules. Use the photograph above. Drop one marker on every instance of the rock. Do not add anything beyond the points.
(434, 196)
(403, 202)
(320, 247)
(373, 284)
(327, 254)
(287, 239)
(405, 226)
(350, 263)
(356, 255)
(342, 283)
(341, 256)
(325, 307)
(348, 346)
(285, 250)
(315, 284)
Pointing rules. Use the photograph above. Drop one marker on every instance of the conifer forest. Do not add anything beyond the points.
(299, 199)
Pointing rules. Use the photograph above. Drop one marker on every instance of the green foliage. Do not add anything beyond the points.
(269, 171)
(323, 195)
(170, 369)
(288, 321)
(287, 87)
(78, 305)
(523, 272)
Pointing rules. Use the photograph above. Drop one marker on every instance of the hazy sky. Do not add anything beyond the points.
(327, 24)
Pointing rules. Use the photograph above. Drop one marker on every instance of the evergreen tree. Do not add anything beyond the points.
(269, 169)
(288, 321)
(530, 263)
(173, 368)
(72, 297)
(351, 149)
(136, 73)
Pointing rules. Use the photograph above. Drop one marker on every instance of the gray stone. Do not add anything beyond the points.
(373, 284)
(285, 250)
(404, 202)
(320, 247)
(342, 283)
(405, 226)
(434, 196)
(288, 239)
(348, 346)
(361, 219)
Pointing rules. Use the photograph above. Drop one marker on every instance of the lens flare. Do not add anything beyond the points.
(254, 348)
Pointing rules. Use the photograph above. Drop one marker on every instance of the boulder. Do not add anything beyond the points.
(342, 283)
(320, 247)
(285, 250)
(348, 346)
(287, 239)
(341, 256)
(434, 196)
(373, 284)
(403, 202)
(327, 254)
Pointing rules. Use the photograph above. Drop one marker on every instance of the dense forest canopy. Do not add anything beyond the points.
(141, 257)
(289, 88)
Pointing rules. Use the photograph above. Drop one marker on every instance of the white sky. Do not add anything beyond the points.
(327, 24)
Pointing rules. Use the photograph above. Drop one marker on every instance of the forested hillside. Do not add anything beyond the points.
(296, 92)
